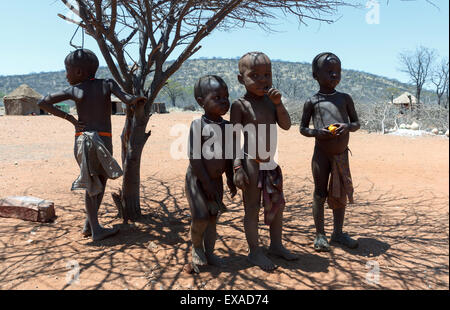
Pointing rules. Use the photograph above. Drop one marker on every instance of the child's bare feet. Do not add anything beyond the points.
(344, 239)
(259, 259)
(321, 243)
(214, 260)
(199, 257)
(86, 232)
(282, 252)
(104, 233)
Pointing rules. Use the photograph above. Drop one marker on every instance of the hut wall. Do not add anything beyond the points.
(22, 106)
(158, 107)
(117, 108)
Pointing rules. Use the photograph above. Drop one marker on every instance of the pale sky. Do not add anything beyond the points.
(34, 39)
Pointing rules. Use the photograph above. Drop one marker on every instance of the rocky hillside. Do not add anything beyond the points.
(293, 79)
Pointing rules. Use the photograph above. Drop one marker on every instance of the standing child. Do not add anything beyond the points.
(93, 143)
(334, 116)
(258, 112)
(207, 163)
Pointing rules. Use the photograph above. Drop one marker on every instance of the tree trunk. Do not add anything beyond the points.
(130, 188)
(134, 138)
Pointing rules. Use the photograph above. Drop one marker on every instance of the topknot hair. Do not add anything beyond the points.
(84, 59)
(252, 54)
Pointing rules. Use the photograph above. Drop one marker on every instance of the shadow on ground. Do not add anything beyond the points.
(406, 237)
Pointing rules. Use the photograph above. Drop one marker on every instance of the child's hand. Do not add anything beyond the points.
(274, 95)
(240, 178)
(323, 134)
(79, 126)
(342, 128)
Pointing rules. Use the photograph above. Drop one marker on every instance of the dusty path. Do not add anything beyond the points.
(400, 217)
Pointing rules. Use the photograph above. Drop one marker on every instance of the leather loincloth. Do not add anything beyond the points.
(341, 186)
(271, 184)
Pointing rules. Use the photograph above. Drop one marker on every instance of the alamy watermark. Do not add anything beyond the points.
(225, 142)
(373, 275)
(373, 15)
(73, 275)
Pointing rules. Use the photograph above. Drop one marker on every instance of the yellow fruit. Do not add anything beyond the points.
(332, 128)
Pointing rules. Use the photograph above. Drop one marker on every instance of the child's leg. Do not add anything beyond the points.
(338, 220)
(92, 204)
(321, 168)
(87, 232)
(276, 230)
(210, 235)
(252, 204)
(339, 236)
(198, 227)
(210, 242)
(200, 217)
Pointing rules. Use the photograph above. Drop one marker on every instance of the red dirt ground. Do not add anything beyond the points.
(400, 217)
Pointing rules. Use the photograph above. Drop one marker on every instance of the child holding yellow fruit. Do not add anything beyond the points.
(334, 117)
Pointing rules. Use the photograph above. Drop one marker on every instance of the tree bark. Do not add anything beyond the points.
(134, 138)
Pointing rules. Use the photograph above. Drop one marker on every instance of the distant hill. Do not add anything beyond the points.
(292, 78)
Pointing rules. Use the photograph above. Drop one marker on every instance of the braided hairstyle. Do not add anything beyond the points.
(320, 58)
(204, 83)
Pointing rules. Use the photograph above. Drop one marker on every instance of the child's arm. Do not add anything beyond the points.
(283, 118)
(321, 134)
(47, 104)
(229, 173)
(123, 96)
(354, 124)
(240, 177)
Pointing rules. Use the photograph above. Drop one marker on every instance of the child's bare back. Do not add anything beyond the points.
(92, 98)
(93, 102)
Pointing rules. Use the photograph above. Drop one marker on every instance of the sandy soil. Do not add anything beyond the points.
(400, 217)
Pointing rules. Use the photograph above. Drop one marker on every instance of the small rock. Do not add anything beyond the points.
(415, 126)
(435, 131)
(16, 163)
(446, 133)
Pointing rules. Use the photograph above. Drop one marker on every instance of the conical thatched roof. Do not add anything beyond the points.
(23, 91)
(404, 99)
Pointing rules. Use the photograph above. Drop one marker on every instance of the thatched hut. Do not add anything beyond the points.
(22, 101)
(158, 107)
(117, 107)
(405, 101)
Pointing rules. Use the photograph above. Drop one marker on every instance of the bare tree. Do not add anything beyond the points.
(158, 28)
(418, 64)
(173, 90)
(440, 80)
